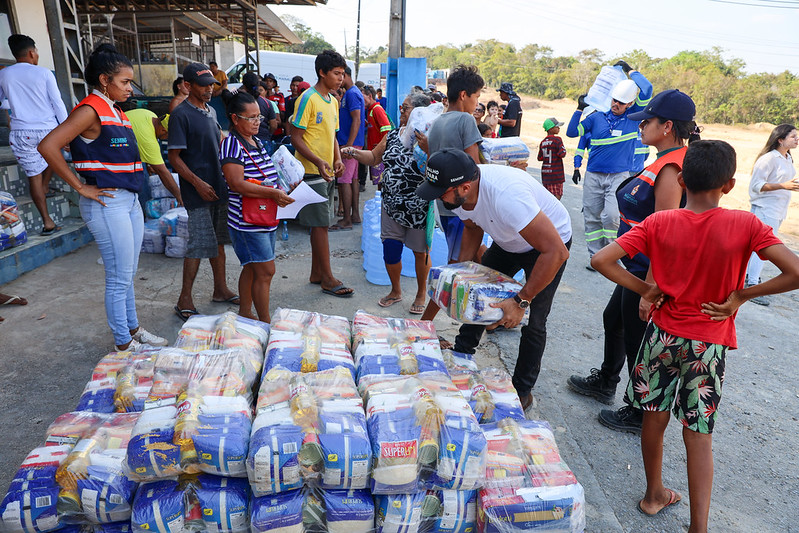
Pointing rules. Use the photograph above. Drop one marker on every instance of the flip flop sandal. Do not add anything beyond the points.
(15, 300)
(335, 291)
(388, 302)
(48, 232)
(674, 497)
(336, 227)
(185, 314)
(417, 309)
(232, 300)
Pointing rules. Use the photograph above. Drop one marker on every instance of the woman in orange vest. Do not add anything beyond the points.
(106, 156)
(666, 123)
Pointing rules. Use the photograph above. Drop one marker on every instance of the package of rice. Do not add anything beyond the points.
(277, 513)
(159, 507)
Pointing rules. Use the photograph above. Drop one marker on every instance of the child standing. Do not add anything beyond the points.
(551, 151)
(698, 256)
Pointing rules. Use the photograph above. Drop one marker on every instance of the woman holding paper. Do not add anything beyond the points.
(250, 174)
(403, 214)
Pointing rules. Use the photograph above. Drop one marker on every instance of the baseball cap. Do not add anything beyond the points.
(506, 87)
(270, 76)
(671, 104)
(303, 86)
(550, 123)
(445, 168)
(198, 73)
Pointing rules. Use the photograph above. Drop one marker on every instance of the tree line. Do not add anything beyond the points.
(722, 90)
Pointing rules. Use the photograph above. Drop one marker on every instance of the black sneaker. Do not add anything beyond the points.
(594, 386)
(626, 419)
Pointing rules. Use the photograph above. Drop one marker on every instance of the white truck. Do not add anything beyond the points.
(285, 65)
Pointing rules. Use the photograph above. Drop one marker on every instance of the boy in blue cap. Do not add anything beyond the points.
(698, 257)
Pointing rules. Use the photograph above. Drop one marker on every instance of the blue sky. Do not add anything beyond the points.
(764, 37)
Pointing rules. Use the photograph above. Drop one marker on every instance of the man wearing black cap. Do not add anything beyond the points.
(511, 120)
(193, 147)
(531, 231)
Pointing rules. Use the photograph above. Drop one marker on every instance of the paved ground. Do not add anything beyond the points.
(48, 349)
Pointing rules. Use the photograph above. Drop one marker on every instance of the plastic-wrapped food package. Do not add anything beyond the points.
(423, 434)
(528, 486)
(151, 452)
(175, 246)
(399, 513)
(339, 511)
(490, 391)
(157, 189)
(94, 486)
(223, 503)
(394, 346)
(98, 396)
(153, 241)
(289, 168)
(505, 149)
(170, 222)
(449, 511)
(30, 506)
(309, 427)
(420, 120)
(69, 428)
(304, 341)
(467, 290)
(156, 207)
(277, 513)
(159, 507)
(12, 228)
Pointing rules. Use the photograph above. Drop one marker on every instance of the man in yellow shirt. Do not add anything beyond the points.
(220, 76)
(148, 129)
(313, 135)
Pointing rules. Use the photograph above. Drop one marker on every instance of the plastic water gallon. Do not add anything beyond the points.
(599, 93)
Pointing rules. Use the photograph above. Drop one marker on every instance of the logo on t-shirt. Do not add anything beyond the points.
(319, 116)
(635, 190)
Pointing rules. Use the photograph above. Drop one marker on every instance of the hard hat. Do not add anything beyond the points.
(625, 91)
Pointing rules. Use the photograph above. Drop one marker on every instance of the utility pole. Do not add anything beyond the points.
(396, 29)
(358, 42)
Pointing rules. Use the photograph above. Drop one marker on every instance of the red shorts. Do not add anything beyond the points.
(555, 188)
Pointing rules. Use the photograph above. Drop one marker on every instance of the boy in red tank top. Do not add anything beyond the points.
(698, 257)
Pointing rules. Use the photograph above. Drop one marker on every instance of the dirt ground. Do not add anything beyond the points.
(747, 141)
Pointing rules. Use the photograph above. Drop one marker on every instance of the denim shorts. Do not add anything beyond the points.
(253, 246)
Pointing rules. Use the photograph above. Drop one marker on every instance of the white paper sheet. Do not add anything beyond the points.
(303, 195)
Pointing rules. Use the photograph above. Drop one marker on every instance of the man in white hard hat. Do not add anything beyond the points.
(613, 141)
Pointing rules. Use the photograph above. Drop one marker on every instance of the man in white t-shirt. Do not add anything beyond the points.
(36, 109)
(531, 231)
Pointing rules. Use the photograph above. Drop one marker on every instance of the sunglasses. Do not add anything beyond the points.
(618, 102)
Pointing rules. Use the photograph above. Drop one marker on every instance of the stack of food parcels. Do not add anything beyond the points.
(489, 391)
(12, 228)
(506, 150)
(120, 382)
(304, 341)
(467, 290)
(527, 484)
(169, 232)
(395, 346)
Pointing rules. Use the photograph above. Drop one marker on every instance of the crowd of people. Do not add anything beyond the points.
(682, 265)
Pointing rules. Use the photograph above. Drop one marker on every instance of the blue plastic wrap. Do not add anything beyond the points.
(224, 503)
(277, 513)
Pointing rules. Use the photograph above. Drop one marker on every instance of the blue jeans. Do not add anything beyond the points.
(118, 229)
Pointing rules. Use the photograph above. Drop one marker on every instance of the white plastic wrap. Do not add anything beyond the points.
(423, 433)
(528, 486)
(176, 246)
(304, 341)
(157, 189)
(310, 429)
(395, 346)
(420, 120)
(288, 167)
(465, 291)
(153, 241)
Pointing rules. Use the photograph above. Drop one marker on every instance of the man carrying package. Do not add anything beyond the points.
(613, 141)
(531, 231)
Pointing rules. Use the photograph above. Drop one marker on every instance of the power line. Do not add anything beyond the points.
(793, 5)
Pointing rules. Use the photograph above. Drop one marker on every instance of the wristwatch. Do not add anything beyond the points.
(523, 304)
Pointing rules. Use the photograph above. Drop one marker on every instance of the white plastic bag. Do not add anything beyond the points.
(421, 119)
(288, 167)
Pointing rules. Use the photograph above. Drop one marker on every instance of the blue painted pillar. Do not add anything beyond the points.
(403, 73)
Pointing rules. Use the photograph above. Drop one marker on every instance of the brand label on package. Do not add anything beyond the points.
(398, 450)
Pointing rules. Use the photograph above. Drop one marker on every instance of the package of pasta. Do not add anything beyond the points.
(95, 488)
(69, 428)
(467, 290)
(223, 332)
(399, 513)
(338, 511)
(449, 511)
(395, 346)
(505, 149)
(160, 507)
(277, 513)
(223, 503)
(304, 341)
(309, 427)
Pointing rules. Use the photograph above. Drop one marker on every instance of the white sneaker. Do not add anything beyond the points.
(145, 337)
(134, 346)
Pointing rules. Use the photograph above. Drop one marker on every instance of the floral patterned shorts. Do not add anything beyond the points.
(673, 370)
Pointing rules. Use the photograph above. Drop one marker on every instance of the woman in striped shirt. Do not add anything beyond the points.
(244, 159)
